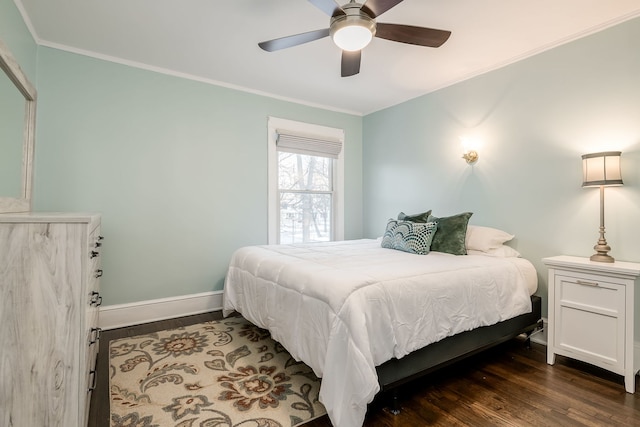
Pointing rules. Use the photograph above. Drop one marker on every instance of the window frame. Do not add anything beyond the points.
(275, 123)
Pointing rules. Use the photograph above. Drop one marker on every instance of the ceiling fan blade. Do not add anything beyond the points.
(330, 7)
(350, 63)
(290, 41)
(420, 36)
(375, 8)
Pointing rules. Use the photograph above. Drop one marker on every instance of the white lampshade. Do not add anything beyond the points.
(601, 169)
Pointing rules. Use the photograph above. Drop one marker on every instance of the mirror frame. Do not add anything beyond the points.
(12, 69)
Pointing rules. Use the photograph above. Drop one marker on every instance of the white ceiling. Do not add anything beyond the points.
(216, 41)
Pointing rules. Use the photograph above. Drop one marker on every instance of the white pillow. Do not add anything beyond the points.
(503, 251)
(484, 239)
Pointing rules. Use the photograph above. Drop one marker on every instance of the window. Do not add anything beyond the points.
(305, 182)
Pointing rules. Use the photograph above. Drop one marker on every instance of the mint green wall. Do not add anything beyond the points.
(15, 35)
(178, 169)
(536, 118)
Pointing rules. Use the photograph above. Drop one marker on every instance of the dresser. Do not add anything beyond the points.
(591, 313)
(50, 268)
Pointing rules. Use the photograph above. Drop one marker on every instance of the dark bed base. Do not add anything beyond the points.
(396, 372)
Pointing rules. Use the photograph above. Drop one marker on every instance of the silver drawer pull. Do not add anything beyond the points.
(94, 378)
(582, 282)
(95, 299)
(93, 374)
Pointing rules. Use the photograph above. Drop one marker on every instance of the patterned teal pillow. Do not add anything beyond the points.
(421, 217)
(407, 236)
(451, 234)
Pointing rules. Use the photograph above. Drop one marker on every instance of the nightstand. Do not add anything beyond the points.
(591, 313)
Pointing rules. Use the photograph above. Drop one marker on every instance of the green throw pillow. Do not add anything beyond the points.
(421, 217)
(408, 236)
(451, 233)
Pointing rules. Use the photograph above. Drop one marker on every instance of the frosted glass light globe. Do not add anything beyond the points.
(352, 37)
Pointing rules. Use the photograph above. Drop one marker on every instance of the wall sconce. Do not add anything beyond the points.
(470, 156)
(601, 170)
(470, 150)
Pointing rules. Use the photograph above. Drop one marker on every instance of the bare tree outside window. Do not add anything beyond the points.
(305, 185)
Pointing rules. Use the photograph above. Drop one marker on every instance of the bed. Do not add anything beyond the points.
(367, 318)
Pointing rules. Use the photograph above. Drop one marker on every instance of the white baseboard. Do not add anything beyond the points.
(121, 315)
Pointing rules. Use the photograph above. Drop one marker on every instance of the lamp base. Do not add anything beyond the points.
(602, 258)
(602, 249)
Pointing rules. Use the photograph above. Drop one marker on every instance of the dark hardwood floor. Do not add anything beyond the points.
(509, 385)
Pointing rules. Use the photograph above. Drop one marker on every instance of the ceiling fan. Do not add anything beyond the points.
(353, 25)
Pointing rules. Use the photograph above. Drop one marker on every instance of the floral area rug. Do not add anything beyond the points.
(226, 373)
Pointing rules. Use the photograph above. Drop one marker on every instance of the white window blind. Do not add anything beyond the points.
(312, 145)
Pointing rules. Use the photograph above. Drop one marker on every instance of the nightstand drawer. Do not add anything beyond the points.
(590, 294)
(587, 307)
(576, 336)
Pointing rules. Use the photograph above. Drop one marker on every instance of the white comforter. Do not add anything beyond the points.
(345, 307)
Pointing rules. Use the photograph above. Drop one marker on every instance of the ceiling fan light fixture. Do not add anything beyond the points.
(352, 33)
(353, 26)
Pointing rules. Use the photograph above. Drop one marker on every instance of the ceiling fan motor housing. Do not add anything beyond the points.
(354, 19)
